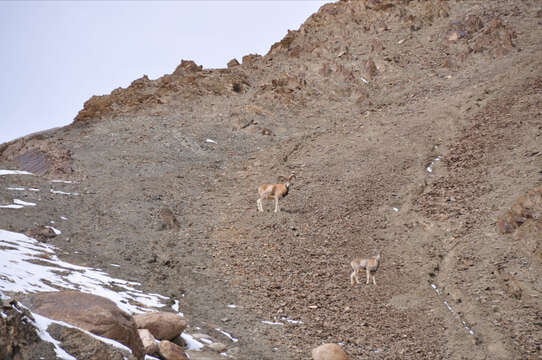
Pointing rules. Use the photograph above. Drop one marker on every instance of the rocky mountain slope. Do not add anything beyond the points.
(411, 126)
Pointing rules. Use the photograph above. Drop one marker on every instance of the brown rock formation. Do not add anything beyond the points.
(93, 313)
(162, 325)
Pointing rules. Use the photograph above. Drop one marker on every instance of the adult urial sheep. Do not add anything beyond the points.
(274, 192)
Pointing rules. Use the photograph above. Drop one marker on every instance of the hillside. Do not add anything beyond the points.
(411, 126)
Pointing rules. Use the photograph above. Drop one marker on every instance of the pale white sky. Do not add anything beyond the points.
(56, 55)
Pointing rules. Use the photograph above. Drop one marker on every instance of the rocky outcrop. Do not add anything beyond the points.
(83, 346)
(41, 233)
(93, 313)
(19, 337)
(329, 352)
(187, 66)
(232, 63)
(38, 154)
(527, 206)
(162, 325)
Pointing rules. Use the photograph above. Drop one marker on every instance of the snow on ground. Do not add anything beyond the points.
(469, 330)
(56, 231)
(14, 172)
(29, 266)
(16, 188)
(63, 192)
(191, 343)
(291, 321)
(23, 203)
(42, 323)
(272, 322)
(11, 206)
(227, 335)
(429, 167)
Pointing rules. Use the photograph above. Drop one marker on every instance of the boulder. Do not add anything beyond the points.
(82, 346)
(233, 63)
(329, 352)
(41, 233)
(89, 312)
(162, 325)
(527, 206)
(149, 342)
(19, 337)
(170, 351)
(187, 66)
(251, 58)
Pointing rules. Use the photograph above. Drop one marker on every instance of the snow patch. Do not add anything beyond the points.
(42, 323)
(63, 192)
(191, 343)
(227, 335)
(272, 322)
(429, 167)
(11, 206)
(175, 307)
(23, 203)
(56, 231)
(14, 172)
(29, 266)
(291, 321)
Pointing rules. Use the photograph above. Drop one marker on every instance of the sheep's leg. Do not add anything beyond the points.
(277, 204)
(259, 203)
(368, 275)
(354, 276)
(374, 281)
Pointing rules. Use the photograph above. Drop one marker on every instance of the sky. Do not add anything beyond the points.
(56, 55)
